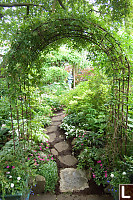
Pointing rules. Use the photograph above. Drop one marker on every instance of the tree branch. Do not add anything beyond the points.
(28, 10)
(17, 4)
(60, 2)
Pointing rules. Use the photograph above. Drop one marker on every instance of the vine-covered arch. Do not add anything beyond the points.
(33, 39)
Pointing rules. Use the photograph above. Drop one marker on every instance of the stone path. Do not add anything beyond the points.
(71, 179)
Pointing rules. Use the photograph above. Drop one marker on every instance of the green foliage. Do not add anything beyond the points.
(92, 93)
(88, 119)
(64, 55)
(31, 160)
(54, 74)
(94, 160)
(84, 25)
(5, 135)
(12, 18)
(84, 75)
(46, 121)
(14, 171)
(86, 124)
(55, 89)
(117, 9)
(87, 105)
(4, 110)
(118, 177)
(53, 102)
(50, 172)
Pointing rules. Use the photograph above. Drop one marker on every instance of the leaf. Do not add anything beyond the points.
(130, 125)
(130, 119)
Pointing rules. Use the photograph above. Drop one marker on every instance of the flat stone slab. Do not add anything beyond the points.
(61, 146)
(54, 152)
(57, 118)
(68, 160)
(55, 123)
(51, 129)
(73, 180)
(52, 137)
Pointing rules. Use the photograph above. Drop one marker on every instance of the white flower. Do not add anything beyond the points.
(12, 185)
(7, 172)
(18, 178)
(10, 176)
(112, 175)
(124, 173)
(3, 125)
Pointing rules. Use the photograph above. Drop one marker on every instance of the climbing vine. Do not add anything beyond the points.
(81, 31)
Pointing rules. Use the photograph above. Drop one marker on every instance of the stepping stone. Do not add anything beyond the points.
(68, 160)
(54, 152)
(58, 118)
(55, 123)
(51, 129)
(61, 146)
(52, 137)
(73, 180)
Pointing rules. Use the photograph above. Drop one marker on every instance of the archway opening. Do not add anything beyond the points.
(35, 38)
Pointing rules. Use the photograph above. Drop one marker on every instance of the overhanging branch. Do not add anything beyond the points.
(61, 4)
(17, 4)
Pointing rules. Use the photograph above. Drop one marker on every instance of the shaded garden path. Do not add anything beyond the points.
(73, 184)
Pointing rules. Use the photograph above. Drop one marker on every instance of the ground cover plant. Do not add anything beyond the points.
(31, 160)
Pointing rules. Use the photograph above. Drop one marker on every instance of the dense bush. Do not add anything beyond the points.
(55, 89)
(50, 172)
(31, 160)
(83, 75)
(87, 104)
(53, 102)
(54, 74)
(92, 93)
(4, 110)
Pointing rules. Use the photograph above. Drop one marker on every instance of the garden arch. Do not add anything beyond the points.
(33, 39)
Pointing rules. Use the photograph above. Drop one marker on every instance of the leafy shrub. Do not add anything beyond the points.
(4, 110)
(84, 75)
(55, 88)
(95, 161)
(54, 103)
(54, 74)
(30, 160)
(4, 136)
(88, 120)
(50, 172)
(46, 121)
(92, 94)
